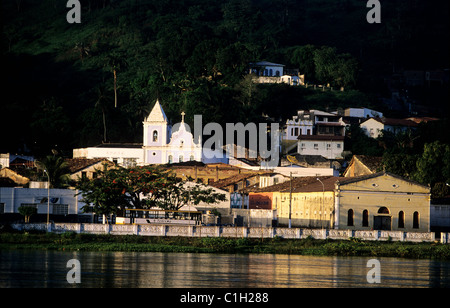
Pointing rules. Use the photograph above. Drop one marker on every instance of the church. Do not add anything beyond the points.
(162, 144)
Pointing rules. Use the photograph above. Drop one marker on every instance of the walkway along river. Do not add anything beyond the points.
(233, 232)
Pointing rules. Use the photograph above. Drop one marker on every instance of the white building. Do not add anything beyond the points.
(373, 127)
(267, 69)
(362, 113)
(330, 147)
(62, 201)
(120, 153)
(313, 122)
(162, 144)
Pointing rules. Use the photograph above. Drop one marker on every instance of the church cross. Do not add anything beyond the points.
(182, 116)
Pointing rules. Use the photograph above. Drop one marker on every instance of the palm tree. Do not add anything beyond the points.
(115, 62)
(57, 170)
(101, 103)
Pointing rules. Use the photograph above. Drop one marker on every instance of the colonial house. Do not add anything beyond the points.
(328, 146)
(315, 132)
(313, 122)
(379, 201)
(304, 200)
(374, 126)
(268, 72)
(267, 69)
(363, 165)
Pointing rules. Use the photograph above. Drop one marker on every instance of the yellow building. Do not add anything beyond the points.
(382, 201)
(379, 201)
(309, 203)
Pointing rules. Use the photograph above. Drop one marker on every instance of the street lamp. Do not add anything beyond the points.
(48, 198)
(323, 198)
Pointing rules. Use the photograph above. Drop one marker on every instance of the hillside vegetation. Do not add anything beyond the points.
(193, 54)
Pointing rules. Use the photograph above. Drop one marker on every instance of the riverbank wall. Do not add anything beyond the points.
(233, 232)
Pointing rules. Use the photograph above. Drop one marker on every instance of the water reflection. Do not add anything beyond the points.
(179, 270)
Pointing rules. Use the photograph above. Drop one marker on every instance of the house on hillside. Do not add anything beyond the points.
(330, 147)
(374, 126)
(269, 72)
(363, 113)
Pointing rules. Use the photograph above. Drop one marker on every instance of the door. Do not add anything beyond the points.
(382, 223)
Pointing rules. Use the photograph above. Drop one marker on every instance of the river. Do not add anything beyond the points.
(42, 269)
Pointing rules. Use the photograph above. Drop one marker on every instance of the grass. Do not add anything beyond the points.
(309, 246)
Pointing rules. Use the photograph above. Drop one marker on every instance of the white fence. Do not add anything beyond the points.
(233, 232)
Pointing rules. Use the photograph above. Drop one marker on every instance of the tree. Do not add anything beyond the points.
(56, 169)
(27, 211)
(100, 196)
(140, 188)
(180, 193)
(116, 63)
(303, 58)
(434, 164)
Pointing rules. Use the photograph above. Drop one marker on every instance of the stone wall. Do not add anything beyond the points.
(234, 232)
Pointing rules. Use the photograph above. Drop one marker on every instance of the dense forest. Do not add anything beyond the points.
(73, 85)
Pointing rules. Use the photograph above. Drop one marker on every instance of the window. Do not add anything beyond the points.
(316, 146)
(383, 210)
(180, 158)
(416, 220)
(60, 209)
(338, 145)
(365, 218)
(155, 136)
(350, 218)
(191, 158)
(401, 219)
(170, 159)
(2, 208)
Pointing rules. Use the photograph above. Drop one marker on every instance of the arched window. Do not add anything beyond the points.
(401, 219)
(416, 220)
(350, 218)
(170, 159)
(365, 218)
(155, 136)
(192, 158)
(383, 210)
(180, 159)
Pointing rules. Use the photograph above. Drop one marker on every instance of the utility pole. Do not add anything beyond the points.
(290, 202)
(323, 197)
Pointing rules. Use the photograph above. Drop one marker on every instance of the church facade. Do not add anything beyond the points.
(162, 144)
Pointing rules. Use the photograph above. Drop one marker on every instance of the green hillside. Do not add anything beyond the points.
(193, 55)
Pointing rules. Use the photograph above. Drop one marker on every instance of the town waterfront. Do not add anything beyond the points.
(47, 268)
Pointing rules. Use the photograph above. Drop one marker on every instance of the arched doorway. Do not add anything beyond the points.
(383, 219)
